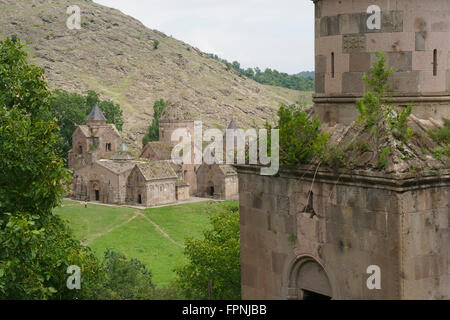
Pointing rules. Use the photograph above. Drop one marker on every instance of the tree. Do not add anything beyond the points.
(36, 247)
(111, 110)
(71, 109)
(300, 137)
(374, 111)
(214, 259)
(153, 130)
(127, 279)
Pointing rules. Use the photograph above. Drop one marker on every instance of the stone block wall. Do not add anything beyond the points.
(344, 225)
(410, 32)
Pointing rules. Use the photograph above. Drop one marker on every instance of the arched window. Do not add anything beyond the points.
(332, 64)
(435, 62)
(80, 149)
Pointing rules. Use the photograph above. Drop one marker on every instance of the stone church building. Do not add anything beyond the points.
(104, 171)
(316, 233)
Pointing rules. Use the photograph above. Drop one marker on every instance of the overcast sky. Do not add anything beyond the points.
(277, 34)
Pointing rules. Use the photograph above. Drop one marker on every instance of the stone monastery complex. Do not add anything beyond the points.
(105, 171)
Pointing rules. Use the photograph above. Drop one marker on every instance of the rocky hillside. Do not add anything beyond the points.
(114, 54)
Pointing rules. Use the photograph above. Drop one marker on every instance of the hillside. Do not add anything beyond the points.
(114, 54)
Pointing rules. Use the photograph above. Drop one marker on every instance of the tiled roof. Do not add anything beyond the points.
(155, 170)
(227, 169)
(122, 155)
(162, 151)
(96, 114)
(117, 167)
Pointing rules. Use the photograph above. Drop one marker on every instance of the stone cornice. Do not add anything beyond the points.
(363, 178)
(410, 98)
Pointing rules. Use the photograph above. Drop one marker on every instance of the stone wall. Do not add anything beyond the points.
(111, 186)
(343, 224)
(410, 32)
(182, 192)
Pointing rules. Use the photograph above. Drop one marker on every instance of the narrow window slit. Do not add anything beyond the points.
(435, 62)
(332, 64)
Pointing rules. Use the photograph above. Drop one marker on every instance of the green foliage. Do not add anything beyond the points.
(442, 134)
(155, 44)
(398, 122)
(335, 157)
(300, 137)
(373, 108)
(153, 130)
(302, 81)
(384, 157)
(36, 247)
(442, 153)
(127, 279)
(216, 259)
(70, 110)
(22, 85)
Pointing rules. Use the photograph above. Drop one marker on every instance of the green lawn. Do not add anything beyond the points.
(132, 232)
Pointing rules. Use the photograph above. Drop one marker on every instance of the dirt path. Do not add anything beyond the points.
(161, 230)
(97, 235)
(136, 214)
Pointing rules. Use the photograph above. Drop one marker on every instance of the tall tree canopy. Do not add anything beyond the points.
(71, 109)
(153, 130)
(36, 247)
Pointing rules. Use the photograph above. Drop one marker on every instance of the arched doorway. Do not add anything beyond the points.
(139, 199)
(210, 189)
(309, 281)
(95, 191)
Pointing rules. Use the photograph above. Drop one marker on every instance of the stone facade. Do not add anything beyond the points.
(223, 179)
(151, 183)
(217, 181)
(105, 172)
(306, 233)
(413, 36)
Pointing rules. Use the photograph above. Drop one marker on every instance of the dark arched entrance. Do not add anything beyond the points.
(210, 189)
(308, 281)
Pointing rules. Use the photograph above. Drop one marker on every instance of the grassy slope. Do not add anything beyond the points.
(107, 227)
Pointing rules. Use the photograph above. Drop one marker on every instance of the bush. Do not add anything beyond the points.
(216, 258)
(300, 137)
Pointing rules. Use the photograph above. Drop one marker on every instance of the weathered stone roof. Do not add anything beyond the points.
(122, 156)
(161, 150)
(116, 167)
(227, 169)
(96, 114)
(182, 183)
(156, 170)
(97, 131)
(176, 112)
(232, 125)
(413, 156)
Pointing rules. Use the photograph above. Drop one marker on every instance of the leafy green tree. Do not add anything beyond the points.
(301, 139)
(214, 259)
(272, 77)
(127, 279)
(153, 130)
(376, 113)
(36, 247)
(111, 110)
(70, 110)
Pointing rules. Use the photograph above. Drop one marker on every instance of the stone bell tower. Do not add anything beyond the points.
(413, 34)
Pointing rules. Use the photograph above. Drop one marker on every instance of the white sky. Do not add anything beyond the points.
(277, 34)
